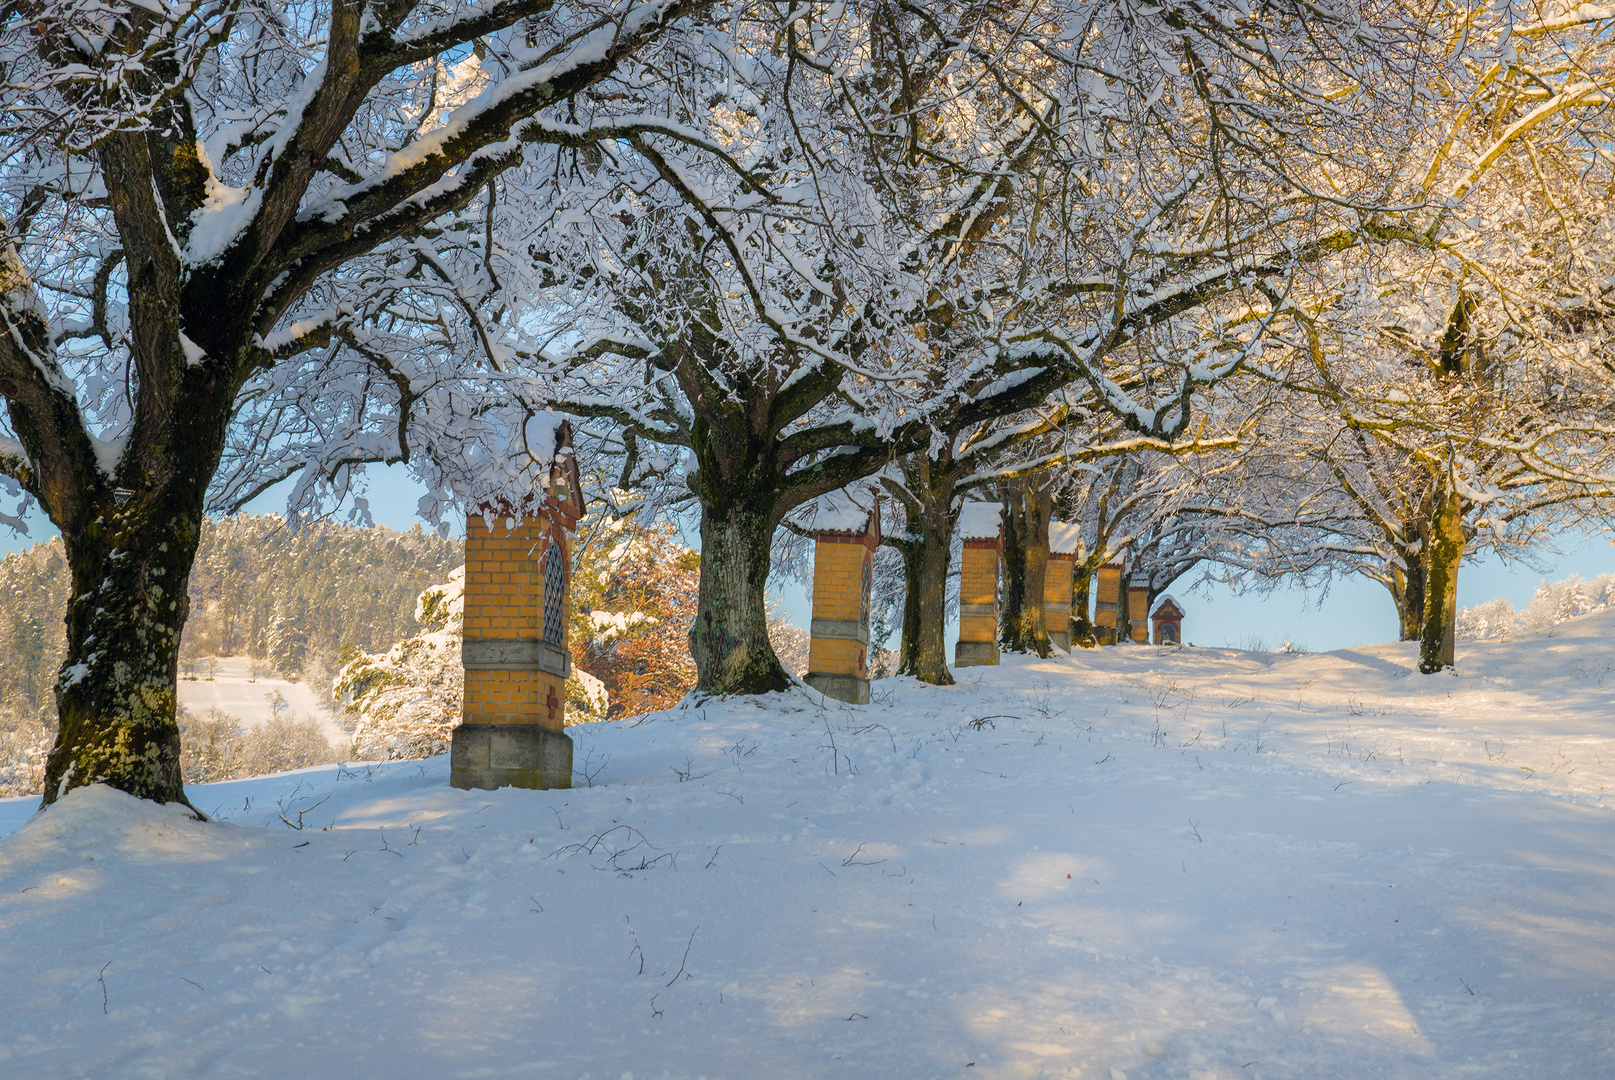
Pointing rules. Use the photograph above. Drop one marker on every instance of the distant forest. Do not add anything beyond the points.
(291, 599)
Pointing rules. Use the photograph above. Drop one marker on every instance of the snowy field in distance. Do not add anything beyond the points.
(235, 690)
(1132, 863)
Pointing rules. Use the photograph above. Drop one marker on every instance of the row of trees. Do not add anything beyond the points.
(764, 252)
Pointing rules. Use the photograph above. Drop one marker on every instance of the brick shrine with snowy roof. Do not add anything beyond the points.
(517, 575)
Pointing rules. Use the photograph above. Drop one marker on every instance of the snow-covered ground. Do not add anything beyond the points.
(1131, 863)
(236, 690)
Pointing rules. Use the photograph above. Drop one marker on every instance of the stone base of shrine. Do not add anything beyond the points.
(975, 653)
(493, 756)
(849, 688)
(1061, 639)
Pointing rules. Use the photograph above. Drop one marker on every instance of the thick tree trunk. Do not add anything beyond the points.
(1407, 592)
(1124, 611)
(1026, 561)
(116, 691)
(1443, 551)
(1082, 634)
(729, 639)
(925, 566)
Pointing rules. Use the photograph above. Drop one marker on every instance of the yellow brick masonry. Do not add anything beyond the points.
(504, 598)
(1057, 596)
(1110, 588)
(838, 594)
(978, 584)
(1138, 611)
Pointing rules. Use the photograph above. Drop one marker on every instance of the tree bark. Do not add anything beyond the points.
(1443, 551)
(1407, 592)
(116, 691)
(1026, 561)
(925, 569)
(729, 639)
(1082, 634)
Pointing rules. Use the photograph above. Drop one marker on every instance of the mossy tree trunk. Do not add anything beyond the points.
(1443, 551)
(116, 692)
(924, 653)
(1028, 507)
(1407, 591)
(729, 638)
(740, 508)
(927, 498)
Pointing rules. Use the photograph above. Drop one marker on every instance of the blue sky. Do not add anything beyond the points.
(1351, 612)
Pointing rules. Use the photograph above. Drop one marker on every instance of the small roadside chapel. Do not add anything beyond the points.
(1168, 620)
(517, 572)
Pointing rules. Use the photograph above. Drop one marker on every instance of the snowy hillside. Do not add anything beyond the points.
(1133, 863)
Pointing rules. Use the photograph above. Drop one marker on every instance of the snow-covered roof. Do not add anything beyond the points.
(980, 521)
(1064, 537)
(1162, 604)
(538, 469)
(843, 512)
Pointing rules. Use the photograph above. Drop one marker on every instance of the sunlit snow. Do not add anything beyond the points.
(1140, 862)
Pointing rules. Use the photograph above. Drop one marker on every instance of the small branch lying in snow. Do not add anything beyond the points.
(687, 945)
(101, 978)
(987, 721)
(607, 842)
(299, 823)
(849, 860)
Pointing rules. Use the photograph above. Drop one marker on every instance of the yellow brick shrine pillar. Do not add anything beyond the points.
(981, 529)
(1063, 542)
(1138, 613)
(515, 656)
(1107, 608)
(843, 566)
(1057, 599)
(514, 649)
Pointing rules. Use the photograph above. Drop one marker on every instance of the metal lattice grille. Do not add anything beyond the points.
(554, 594)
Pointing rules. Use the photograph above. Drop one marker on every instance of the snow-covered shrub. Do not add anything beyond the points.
(23, 747)
(215, 746)
(1549, 606)
(280, 743)
(1493, 619)
(789, 640)
(407, 700)
(207, 744)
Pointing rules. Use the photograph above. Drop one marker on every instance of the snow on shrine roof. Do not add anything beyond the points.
(1064, 537)
(1165, 602)
(537, 468)
(542, 431)
(840, 512)
(979, 521)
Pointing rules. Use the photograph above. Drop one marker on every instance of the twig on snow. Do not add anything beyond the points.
(687, 945)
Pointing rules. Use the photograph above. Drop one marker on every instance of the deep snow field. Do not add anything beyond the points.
(1136, 862)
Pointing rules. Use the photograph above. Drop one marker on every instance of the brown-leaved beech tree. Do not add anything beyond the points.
(201, 202)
